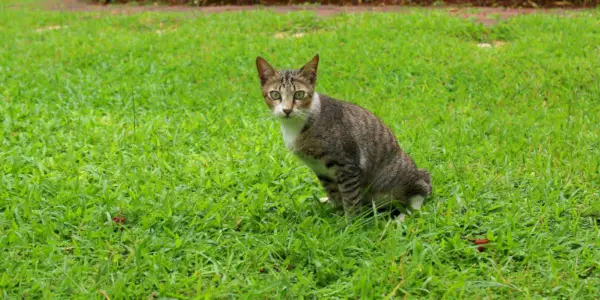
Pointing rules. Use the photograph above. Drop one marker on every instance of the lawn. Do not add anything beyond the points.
(138, 159)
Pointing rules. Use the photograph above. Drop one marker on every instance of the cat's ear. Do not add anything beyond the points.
(309, 71)
(264, 70)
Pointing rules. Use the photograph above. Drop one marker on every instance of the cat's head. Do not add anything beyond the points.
(288, 93)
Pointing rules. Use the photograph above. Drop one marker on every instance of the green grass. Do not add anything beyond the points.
(104, 117)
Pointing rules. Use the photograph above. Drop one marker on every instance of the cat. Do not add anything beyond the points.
(353, 153)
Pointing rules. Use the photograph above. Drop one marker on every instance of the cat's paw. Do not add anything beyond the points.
(415, 202)
(400, 218)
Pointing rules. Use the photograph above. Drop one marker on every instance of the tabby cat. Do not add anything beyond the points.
(354, 155)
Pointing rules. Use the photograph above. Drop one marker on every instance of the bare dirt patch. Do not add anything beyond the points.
(484, 15)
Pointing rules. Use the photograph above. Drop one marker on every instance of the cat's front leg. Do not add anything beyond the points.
(349, 178)
(333, 192)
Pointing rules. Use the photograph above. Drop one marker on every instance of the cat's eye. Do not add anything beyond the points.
(299, 95)
(275, 95)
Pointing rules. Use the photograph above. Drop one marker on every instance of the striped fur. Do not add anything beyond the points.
(354, 155)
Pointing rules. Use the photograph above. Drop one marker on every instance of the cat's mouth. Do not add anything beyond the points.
(285, 116)
(289, 117)
(293, 115)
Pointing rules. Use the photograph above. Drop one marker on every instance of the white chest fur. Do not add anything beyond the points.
(291, 129)
(316, 166)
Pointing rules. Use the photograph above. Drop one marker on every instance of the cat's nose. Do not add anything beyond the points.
(287, 111)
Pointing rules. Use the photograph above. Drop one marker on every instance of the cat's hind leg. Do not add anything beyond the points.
(420, 190)
(414, 204)
(411, 200)
(425, 182)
